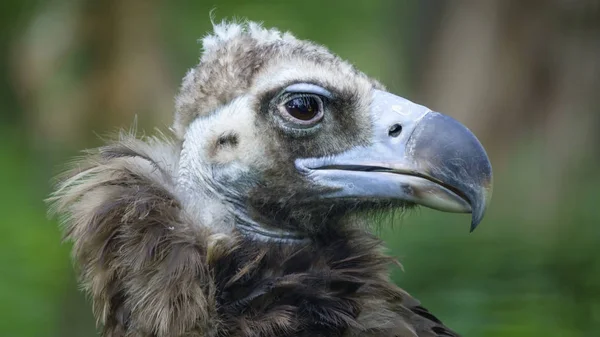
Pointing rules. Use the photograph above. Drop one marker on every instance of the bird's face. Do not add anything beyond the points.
(309, 141)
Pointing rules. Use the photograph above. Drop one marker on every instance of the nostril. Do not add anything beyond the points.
(395, 130)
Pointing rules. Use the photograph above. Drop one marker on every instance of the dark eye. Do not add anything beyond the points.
(306, 109)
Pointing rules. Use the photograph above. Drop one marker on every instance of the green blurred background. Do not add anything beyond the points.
(523, 75)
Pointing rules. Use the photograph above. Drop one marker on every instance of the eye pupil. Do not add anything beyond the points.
(303, 108)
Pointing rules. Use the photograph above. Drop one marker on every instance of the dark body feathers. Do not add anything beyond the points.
(153, 270)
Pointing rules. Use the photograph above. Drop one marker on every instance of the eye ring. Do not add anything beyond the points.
(303, 109)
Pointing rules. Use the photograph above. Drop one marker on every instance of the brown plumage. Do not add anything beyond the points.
(213, 232)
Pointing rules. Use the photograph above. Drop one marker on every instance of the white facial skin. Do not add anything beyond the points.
(209, 164)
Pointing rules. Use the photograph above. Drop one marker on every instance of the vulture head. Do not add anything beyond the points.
(282, 138)
(244, 222)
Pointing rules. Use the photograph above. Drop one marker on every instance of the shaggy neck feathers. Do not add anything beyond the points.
(154, 270)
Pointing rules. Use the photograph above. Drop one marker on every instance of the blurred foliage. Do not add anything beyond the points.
(531, 269)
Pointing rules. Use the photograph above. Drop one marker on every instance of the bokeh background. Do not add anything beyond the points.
(523, 75)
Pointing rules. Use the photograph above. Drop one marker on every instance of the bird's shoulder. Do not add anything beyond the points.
(398, 318)
(340, 289)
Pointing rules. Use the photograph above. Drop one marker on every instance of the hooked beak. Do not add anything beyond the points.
(416, 155)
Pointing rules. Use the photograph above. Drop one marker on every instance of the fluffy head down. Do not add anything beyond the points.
(235, 56)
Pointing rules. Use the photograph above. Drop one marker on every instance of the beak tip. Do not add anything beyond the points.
(476, 220)
(474, 225)
(477, 214)
(480, 208)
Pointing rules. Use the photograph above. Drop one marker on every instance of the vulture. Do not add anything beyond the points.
(252, 214)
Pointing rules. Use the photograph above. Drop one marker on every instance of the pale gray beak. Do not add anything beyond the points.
(416, 155)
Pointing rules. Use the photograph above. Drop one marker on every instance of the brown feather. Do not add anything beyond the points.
(153, 270)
